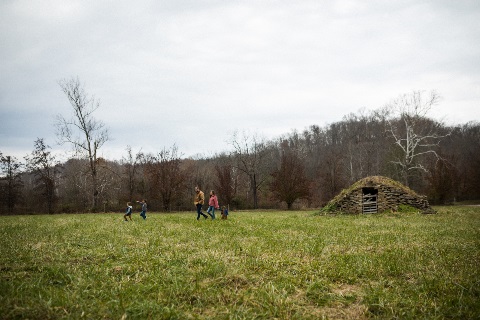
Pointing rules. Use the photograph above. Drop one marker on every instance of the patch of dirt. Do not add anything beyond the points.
(353, 311)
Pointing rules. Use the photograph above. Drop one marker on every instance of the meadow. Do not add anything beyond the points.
(255, 265)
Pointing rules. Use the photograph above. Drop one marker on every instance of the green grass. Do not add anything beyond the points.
(256, 265)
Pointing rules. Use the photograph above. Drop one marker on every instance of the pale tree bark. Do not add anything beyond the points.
(413, 133)
(85, 133)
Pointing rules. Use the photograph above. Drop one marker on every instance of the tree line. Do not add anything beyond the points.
(301, 169)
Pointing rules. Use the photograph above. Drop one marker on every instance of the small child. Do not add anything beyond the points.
(224, 213)
(129, 212)
(143, 214)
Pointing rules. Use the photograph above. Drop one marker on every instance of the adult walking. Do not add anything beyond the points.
(212, 204)
(198, 202)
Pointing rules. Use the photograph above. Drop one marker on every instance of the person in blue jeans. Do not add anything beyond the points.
(198, 202)
(143, 214)
(212, 204)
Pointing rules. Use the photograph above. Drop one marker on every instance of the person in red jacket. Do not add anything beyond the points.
(212, 204)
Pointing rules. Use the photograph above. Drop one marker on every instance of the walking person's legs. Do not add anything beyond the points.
(212, 210)
(199, 211)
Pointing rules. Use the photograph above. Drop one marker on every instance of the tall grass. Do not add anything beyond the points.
(256, 265)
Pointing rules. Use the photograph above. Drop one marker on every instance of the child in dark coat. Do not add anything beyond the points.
(224, 213)
(128, 213)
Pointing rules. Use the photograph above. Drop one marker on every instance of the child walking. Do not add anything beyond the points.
(128, 213)
(212, 204)
(143, 214)
(224, 213)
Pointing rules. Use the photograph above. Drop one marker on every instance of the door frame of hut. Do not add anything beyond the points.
(369, 200)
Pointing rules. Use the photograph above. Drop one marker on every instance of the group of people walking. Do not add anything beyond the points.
(212, 204)
(198, 201)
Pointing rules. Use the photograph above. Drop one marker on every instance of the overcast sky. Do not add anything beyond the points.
(190, 73)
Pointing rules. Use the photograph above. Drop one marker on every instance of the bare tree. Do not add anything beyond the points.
(166, 176)
(332, 170)
(85, 133)
(10, 181)
(226, 182)
(109, 179)
(45, 169)
(463, 151)
(131, 165)
(289, 181)
(362, 146)
(442, 178)
(249, 155)
(73, 186)
(413, 133)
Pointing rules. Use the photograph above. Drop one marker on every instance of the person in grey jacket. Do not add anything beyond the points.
(143, 214)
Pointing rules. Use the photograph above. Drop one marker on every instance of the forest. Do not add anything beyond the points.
(300, 169)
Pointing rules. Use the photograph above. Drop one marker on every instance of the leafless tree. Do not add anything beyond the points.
(249, 154)
(413, 133)
(10, 181)
(363, 138)
(131, 164)
(289, 180)
(166, 176)
(109, 177)
(442, 178)
(73, 186)
(332, 169)
(463, 149)
(226, 184)
(44, 166)
(85, 133)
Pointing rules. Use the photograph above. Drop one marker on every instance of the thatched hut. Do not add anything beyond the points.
(377, 194)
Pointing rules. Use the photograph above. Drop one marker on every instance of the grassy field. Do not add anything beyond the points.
(256, 265)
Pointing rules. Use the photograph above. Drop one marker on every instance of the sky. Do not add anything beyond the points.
(191, 73)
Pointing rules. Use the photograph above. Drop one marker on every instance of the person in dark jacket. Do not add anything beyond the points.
(128, 213)
(143, 214)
